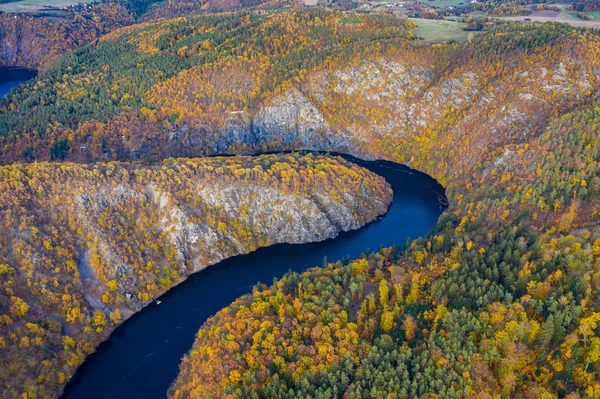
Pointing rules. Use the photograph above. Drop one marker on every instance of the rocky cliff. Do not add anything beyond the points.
(83, 247)
(179, 94)
(30, 42)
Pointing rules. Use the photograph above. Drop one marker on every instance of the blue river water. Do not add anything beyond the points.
(141, 358)
(11, 77)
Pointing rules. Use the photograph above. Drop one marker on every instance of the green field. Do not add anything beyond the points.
(567, 15)
(438, 31)
(24, 6)
(478, 13)
(445, 3)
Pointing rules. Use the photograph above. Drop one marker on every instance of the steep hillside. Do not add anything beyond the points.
(500, 300)
(31, 42)
(83, 247)
(313, 79)
(105, 102)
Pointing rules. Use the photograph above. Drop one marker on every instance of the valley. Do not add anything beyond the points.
(133, 162)
(85, 247)
(120, 368)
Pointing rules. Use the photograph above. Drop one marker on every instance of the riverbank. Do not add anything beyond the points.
(142, 356)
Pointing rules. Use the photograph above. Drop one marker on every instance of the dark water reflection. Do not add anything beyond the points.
(11, 77)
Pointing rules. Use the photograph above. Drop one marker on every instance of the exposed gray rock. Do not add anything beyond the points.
(226, 219)
(290, 117)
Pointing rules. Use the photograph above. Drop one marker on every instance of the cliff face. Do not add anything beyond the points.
(398, 107)
(83, 247)
(30, 42)
(185, 96)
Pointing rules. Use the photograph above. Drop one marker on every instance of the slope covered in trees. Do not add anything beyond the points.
(500, 300)
(307, 79)
(107, 97)
(586, 5)
(83, 247)
(31, 42)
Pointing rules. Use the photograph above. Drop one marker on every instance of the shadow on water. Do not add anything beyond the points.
(11, 77)
(141, 358)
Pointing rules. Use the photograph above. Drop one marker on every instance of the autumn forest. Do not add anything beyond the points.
(133, 160)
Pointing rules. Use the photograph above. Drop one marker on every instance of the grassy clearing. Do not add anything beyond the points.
(445, 3)
(438, 31)
(566, 15)
(595, 14)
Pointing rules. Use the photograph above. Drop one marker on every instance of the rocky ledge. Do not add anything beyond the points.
(84, 246)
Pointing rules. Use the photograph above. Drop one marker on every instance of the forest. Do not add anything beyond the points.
(105, 102)
(214, 84)
(35, 39)
(83, 247)
(501, 299)
(586, 5)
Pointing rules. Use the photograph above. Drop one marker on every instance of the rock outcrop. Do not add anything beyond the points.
(84, 247)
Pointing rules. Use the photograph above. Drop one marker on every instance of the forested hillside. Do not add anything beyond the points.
(31, 42)
(500, 300)
(82, 247)
(106, 102)
(586, 5)
(309, 79)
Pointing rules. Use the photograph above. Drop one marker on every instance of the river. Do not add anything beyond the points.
(141, 358)
(11, 77)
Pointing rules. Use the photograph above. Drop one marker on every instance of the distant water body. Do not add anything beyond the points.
(141, 358)
(11, 77)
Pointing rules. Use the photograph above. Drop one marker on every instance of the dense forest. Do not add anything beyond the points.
(105, 102)
(82, 247)
(247, 82)
(500, 300)
(586, 5)
(31, 41)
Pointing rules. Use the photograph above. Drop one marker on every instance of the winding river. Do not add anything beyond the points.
(141, 358)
